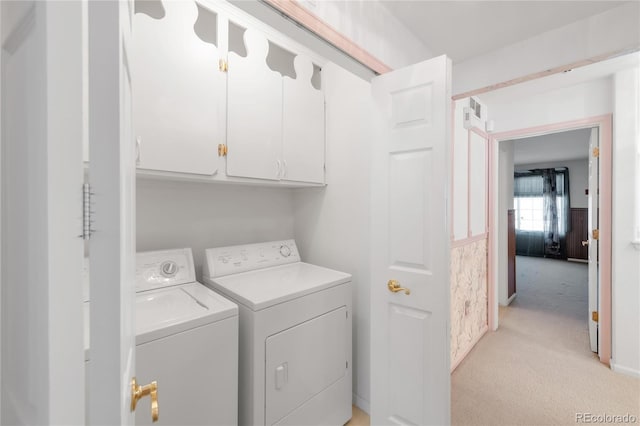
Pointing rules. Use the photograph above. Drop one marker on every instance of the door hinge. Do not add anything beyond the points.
(223, 65)
(596, 152)
(595, 234)
(222, 150)
(594, 316)
(86, 212)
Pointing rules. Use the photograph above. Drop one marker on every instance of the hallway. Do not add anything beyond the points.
(537, 369)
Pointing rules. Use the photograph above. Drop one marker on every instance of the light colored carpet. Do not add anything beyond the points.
(537, 368)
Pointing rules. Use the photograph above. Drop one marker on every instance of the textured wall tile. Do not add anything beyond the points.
(468, 287)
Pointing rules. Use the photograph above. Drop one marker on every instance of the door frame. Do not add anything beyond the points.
(604, 124)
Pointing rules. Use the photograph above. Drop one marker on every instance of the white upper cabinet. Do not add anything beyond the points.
(303, 126)
(254, 112)
(180, 93)
(275, 117)
(265, 106)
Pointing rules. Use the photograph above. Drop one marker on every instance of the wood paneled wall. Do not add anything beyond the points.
(578, 233)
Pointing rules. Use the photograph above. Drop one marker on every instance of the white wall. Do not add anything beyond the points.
(626, 258)
(332, 223)
(460, 182)
(469, 202)
(578, 178)
(204, 215)
(505, 203)
(370, 25)
(588, 99)
(610, 31)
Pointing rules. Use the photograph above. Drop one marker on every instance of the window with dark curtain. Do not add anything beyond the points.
(542, 205)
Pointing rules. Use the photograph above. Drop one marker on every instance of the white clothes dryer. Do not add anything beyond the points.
(186, 340)
(295, 333)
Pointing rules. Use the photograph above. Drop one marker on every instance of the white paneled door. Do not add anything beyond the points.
(594, 287)
(410, 376)
(112, 244)
(41, 172)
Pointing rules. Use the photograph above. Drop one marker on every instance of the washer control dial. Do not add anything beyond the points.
(285, 251)
(169, 269)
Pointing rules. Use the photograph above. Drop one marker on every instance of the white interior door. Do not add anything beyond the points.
(112, 244)
(410, 377)
(594, 287)
(42, 318)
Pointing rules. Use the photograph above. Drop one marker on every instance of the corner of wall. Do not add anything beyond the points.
(626, 259)
(331, 224)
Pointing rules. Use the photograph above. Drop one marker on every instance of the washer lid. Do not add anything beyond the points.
(263, 288)
(167, 311)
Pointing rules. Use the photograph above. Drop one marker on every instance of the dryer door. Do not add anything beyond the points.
(304, 360)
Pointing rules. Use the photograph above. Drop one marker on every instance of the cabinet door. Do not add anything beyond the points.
(303, 124)
(179, 102)
(254, 112)
(303, 361)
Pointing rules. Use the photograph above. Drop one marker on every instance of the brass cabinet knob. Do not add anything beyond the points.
(138, 392)
(394, 287)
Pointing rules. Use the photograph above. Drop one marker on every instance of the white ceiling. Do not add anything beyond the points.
(464, 29)
(570, 145)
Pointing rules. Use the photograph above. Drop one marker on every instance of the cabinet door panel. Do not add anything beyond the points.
(254, 112)
(303, 126)
(179, 102)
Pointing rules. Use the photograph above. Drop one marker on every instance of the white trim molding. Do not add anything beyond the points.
(624, 370)
(361, 403)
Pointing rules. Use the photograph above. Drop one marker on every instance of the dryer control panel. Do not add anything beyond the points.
(157, 269)
(223, 261)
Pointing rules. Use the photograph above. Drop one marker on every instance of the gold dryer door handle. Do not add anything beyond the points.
(394, 287)
(138, 392)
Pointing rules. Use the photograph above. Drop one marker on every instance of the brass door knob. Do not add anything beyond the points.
(138, 392)
(394, 287)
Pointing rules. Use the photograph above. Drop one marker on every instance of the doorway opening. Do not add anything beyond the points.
(600, 296)
(547, 194)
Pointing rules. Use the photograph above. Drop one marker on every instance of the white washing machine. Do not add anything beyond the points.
(186, 340)
(295, 333)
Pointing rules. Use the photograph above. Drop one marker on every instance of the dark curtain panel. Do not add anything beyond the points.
(550, 212)
(527, 184)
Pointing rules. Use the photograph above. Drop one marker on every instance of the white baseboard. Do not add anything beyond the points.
(624, 370)
(513, 296)
(362, 404)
